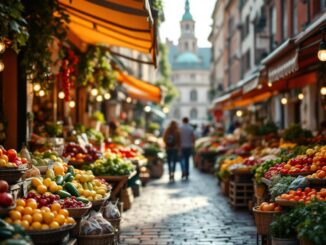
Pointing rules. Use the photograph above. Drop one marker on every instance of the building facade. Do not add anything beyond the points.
(269, 56)
(190, 73)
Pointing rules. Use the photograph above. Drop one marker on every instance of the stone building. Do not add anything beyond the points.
(190, 73)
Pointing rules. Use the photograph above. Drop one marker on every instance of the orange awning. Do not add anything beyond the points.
(125, 23)
(139, 89)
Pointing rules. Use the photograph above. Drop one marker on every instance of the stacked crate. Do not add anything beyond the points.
(241, 190)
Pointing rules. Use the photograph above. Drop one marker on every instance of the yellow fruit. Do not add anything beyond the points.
(36, 182)
(55, 207)
(45, 227)
(101, 191)
(37, 210)
(60, 219)
(45, 209)
(38, 217)
(8, 220)
(93, 193)
(70, 220)
(25, 224)
(20, 202)
(59, 170)
(15, 215)
(47, 182)
(28, 218)
(98, 197)
(77, 176)
(20, 209)
(36, 225)
(18, 222)
(60, 188)
(64, 212)
(48, 217)
(41, 189)
(90, 198)
(54, 225)
(50, 174)
(83, 178)
(32, 204)
(80, 190)
(53, 187)
(86, 193)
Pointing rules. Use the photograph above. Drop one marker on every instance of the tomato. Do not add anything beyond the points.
(307, 190)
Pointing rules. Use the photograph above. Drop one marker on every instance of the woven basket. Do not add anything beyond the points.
(107, 239)
(116, 225)
(79, 212)
(263, 220)
(97, 204)
(12, 175)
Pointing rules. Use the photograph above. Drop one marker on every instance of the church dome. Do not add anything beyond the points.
(188, 57)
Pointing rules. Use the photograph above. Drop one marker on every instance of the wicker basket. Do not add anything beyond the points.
(4, 211)
(107, 239)
(12, 175)
(46, 237)
(263, 220)
(116, 225)
(97, 204)
(79, 212)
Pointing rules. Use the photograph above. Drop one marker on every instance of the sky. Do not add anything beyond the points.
(201, 11)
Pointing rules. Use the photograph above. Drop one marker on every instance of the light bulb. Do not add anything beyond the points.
(99, 98)
(147, 108)
(323, 90)
(41, 93)
(260, 86)
(61, 95)
(269, 84)
(2, 66)
(72, 104)
(166, 110)
(284, 101)
(300, 96)
(128, 100)
(107, 96)
(239, 113)
(37, 87)
(322, 51)
(2, 47)
(94, 91)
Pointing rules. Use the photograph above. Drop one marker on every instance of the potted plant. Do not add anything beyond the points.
(283, 228)
(312, 230)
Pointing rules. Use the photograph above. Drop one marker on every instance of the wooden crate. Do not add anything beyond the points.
(127, 198)
(240, 194)
(225, 187)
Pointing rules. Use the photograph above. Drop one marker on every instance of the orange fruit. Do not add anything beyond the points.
(55, 206)
(37, 210)
(45, 209)
(25, 224)
(45, 227)
(28, 218)
(28, 210)
(70, 220)
(38, 217)
(59, 170)
(54, 225)
(18, 222)
(60, 219)
(8, 220)
(48, 217)
(20, 202)
(47, 182)
(15, 215)
(64, 212)
(32, 204)
(36, 225)
(36, 181)
(41, 189)
(20, 209)
(53, 187)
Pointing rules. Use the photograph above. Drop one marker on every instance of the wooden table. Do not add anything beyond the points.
(118, 183)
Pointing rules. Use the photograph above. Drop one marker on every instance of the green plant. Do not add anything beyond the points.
(261, 169)
(295, 133)
(13, 26)
(46, 20)
(98, 116)
(54, 129)
(279, 185)
(314, 226)
(95, 135)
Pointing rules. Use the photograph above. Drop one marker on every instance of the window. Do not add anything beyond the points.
(246, 61)
(272, 27)
(176, 113)
(193, 95)
(245, 29)
(295, 17)
(186, 46)
(193, 113)
(284, 21)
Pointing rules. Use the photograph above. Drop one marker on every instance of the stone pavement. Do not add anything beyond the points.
(185, 212)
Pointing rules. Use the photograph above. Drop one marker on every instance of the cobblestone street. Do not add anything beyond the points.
(185, 212)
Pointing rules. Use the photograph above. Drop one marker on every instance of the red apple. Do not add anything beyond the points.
(3, 186)
(12, 155)
(6, 199)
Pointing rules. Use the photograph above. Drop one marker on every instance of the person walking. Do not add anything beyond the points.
(171, 139)
(187, 145)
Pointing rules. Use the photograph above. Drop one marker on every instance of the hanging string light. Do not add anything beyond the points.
(107, 96)
(61, 95)
(269, 84)
(72, 104)
(284, 101)
(2, 66)
(99, 98)
(94, 91)
(323, 90)
(300, 96)
(37, 87)
(41, 93)
(239, 113)
(2, 47)
(128, 100)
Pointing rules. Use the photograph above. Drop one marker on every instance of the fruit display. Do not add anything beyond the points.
(306, 196)
(45, 200)
(45, 158)
(72, 202)
(13, 234)
(300, 164)
(77, 154)
(269, 207)
(112, 165)
(272, 171)
(87, 187)
(123, 152)
(6, 199)
(10, 159)
(320, 174)
(28, 215)
(261, 169)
